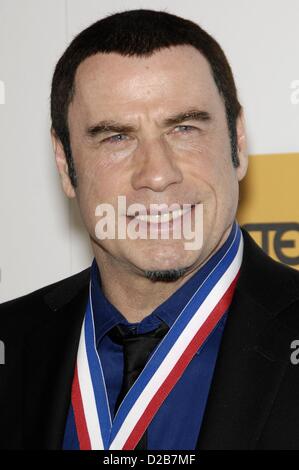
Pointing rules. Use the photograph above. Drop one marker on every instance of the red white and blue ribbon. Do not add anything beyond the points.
(95, 428)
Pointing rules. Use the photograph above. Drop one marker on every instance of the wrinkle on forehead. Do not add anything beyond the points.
(173, 78)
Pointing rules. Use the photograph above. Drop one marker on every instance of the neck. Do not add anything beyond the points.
(137, 296)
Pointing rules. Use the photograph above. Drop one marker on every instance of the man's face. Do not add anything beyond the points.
(150, 159)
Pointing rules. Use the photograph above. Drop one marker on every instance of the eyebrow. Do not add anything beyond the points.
(175, 119)
(190, 115)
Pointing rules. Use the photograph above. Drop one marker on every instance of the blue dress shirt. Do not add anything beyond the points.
(177, 423)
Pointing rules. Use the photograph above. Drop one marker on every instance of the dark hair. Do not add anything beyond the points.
(138, 33)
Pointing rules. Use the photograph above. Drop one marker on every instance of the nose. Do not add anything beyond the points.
(155, 167)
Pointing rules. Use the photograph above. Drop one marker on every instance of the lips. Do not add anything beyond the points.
(155, 215)
(164, 217)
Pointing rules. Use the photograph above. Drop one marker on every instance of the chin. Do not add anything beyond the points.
(167, 260)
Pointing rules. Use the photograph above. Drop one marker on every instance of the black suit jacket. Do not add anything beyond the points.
(254, 396)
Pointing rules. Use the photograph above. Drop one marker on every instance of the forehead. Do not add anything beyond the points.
(175, 76)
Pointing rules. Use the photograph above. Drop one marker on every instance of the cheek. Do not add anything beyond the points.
(216, 161)
(227, 193)
(209, 166)
(96, 174)
(96, 185)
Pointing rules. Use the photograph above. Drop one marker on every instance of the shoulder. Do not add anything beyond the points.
(27, 310)
(271, 284)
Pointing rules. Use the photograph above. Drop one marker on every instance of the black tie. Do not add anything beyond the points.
(137, 349)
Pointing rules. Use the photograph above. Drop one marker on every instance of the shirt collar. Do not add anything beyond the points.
(107, 315)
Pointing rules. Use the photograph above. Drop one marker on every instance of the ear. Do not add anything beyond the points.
(242, 146)
(62, 165)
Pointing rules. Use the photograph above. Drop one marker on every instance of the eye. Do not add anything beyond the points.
(185, 129)
(115, 138)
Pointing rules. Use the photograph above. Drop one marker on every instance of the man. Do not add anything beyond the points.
(156, 346)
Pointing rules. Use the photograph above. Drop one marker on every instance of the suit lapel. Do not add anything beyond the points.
(252, 359)
(246, 379)
(51, 353)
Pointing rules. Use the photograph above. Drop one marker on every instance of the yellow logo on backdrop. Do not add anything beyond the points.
(269, 205)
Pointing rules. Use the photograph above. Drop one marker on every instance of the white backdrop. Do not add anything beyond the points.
(41, 238)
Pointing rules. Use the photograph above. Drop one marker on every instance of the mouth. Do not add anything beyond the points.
(162, 218)
(161, 221)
